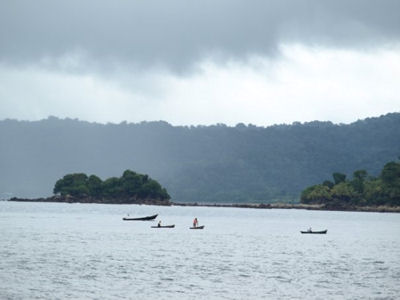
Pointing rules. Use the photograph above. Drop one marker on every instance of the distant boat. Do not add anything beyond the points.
(197, 227)
(148, 218)
(164, 226)
(315, 232)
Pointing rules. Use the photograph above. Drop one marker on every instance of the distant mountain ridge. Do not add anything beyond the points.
(195, 163)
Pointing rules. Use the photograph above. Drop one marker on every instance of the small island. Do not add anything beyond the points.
(130, 188)
(362, 192)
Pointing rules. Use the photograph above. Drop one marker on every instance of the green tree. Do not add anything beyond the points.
(328, 184)
(130, 183)
(344, 192)
(391, 174)
(95, 186)
(338, 177)
(316, 194)
(359, 177)
(112, 187)
(374, 192)
(72, 184)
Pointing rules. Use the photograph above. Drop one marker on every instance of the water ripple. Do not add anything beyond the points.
(92, 254)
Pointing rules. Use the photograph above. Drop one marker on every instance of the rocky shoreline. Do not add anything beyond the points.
(70, 199)
(324, 207)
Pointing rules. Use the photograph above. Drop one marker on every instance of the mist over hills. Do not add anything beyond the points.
(195, 163)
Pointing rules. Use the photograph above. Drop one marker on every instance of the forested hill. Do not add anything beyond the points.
(195, 164)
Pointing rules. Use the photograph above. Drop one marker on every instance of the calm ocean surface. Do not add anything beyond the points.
(86, 251)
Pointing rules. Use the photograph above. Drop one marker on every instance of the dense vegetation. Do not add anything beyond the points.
(129, 186)
(218, 163)
(361, 190)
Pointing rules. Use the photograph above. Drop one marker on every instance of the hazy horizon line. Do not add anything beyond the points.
(239, 124)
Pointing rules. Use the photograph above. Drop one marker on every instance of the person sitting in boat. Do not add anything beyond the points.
(159, 223)
(195, 222)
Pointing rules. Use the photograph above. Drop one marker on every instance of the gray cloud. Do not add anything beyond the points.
(177, 33)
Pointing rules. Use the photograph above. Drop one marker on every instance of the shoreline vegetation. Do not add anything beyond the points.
(130, 188)
(323, 207)
(363, 193)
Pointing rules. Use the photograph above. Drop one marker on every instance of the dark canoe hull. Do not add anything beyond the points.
(197, 227)
(165, 226)
(315, 232)
(149, 218)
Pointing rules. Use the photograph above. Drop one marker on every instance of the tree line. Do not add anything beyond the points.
(216, 163)
(361, 190)
(129, 185)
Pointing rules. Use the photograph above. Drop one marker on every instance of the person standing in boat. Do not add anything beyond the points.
(195, 222)
(159, 223)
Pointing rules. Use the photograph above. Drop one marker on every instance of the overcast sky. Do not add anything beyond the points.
(199, 62)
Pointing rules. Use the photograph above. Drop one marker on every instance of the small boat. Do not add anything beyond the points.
(164, 226)
(148, 218)
(197, 227)
(315, 232)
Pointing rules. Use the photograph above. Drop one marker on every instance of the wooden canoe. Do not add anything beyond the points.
(197, 227)
(148, 218)
(315, 232)
(164, 226)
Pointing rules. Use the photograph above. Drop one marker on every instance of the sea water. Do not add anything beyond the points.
(86, 251)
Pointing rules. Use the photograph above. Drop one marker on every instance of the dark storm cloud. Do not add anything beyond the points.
(177, 33)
